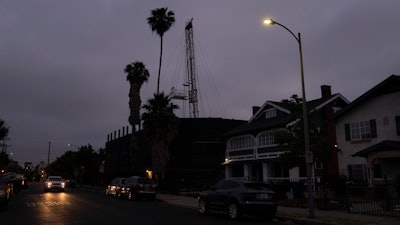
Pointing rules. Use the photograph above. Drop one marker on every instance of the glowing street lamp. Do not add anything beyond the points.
(308, 153)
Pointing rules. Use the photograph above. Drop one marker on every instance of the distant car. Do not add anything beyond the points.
(136, 187)
(237, 198)
(19, 182)
(5, 192)
(115, 185)
(54, 183)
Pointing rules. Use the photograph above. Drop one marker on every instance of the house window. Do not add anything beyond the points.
(266, 139)
(360, 130)
(241, 142)
(270, 113)
(336, 109)
(357, 172)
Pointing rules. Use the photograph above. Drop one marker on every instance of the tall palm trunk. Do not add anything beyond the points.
(159, 66)
(134, 104)
(134, 118)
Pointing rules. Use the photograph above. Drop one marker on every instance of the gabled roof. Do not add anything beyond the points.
(255, 125)
(388, 86)
(382, 146)
(258, 126)
(277, 105)
(319, 103)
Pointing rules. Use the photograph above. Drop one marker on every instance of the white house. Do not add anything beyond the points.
(368, 134)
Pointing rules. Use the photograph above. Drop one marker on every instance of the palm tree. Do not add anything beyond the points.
(160, 21)
(137, 75)
(160, 125)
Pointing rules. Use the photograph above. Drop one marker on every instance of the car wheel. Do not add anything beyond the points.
(202, 207)
(233, 210)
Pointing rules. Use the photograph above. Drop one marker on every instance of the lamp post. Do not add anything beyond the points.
(308, 153)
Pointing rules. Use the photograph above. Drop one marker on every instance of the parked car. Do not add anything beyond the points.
(138, 187)
(115, 186)
(19, 182)
(237, 198)
(54, 183)
(5, 192)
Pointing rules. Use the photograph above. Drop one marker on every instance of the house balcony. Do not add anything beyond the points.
(270, 152)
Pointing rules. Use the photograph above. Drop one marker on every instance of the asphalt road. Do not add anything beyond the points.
(75, 206)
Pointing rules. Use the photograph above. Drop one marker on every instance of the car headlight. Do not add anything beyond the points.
(62, 184)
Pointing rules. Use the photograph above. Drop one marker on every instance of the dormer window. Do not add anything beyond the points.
(270, 113)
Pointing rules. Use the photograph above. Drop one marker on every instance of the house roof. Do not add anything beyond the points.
(256, 125)
(388, 86)
(382, 146)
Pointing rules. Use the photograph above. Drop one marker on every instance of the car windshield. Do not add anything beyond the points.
(55, 179)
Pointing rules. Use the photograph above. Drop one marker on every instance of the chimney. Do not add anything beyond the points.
(326, 91)
(255, 109)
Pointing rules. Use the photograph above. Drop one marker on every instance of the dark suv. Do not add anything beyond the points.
(138, 187)
(239, 197)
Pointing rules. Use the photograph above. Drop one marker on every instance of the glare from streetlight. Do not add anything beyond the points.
(269, 21)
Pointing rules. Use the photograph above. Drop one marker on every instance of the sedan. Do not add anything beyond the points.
(115, 185)
(138, 187)
(237, 198)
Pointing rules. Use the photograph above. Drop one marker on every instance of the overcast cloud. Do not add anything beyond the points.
(61, 62)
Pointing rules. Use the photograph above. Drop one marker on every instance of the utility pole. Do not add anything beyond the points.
(48, 155)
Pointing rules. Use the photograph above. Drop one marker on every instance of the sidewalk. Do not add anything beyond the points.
(300, 215)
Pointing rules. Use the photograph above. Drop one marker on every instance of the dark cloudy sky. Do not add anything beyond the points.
(61, 62)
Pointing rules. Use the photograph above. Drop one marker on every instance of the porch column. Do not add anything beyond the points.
(265, 172)
(370, 171)
(228, 172)
(246, 171)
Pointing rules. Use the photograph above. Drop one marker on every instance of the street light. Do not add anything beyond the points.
(308, 153)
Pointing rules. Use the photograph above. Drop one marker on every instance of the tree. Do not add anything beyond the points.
(137, 74)
(82, 165)
(3, 129)
(293, 137)
(4, 158)
(160, 22)
(160, 125)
